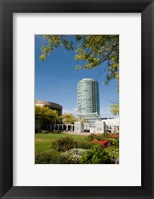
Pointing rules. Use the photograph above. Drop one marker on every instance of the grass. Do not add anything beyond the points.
(43, 142)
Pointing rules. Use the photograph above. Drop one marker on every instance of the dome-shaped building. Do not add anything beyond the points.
(51, 105)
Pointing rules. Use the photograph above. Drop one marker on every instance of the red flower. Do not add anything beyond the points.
(101, 142)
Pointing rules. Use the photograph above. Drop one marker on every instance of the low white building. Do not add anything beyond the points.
(112, 125)
(100, 126)
(111, 122)
(78, 127)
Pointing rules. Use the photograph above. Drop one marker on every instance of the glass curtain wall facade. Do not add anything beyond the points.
(88, 99)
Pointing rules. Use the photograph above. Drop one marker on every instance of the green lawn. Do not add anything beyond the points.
(43, 142)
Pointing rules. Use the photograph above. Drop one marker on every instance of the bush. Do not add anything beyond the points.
(95, 141)
(93, 137)
(115, 142)
(72, 156)
(104, 143)
(64, 144)
(45, 131)
(95, 155)
(104, 135)
(112, 152)
(98, 136)
(114, 135)
(66, 159)
(84, 144)
(38, 131)
(47, 157)
(56, 131)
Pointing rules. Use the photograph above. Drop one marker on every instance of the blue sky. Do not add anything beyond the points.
(56, 80)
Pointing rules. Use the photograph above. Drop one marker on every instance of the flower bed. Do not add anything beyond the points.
(100, 136)
(115, 135)
(104, 143)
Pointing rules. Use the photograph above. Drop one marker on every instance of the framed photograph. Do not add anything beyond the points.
(76, 99)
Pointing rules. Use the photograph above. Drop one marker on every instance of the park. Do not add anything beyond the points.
(67, 148)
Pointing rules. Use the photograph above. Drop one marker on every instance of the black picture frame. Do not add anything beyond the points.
(7, 8)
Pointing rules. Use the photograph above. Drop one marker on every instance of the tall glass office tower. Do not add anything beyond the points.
(88, 99)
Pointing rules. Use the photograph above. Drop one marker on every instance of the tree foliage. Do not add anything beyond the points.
(93, 50)
(68, 118)
(44, 115)
(114, 109)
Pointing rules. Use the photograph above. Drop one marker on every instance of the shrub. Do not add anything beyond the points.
(66, 159)
(45, 131)
(64, 144)
(38, 131)
(103, 143)
(114, 135)
(95, 141)
(104, 135)
(112, 152)
(56, 131)
(98, 136)
(95, 155)
(84, 144)
(72, 156)
(93, 137)
(47, 157)
(115, 142)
